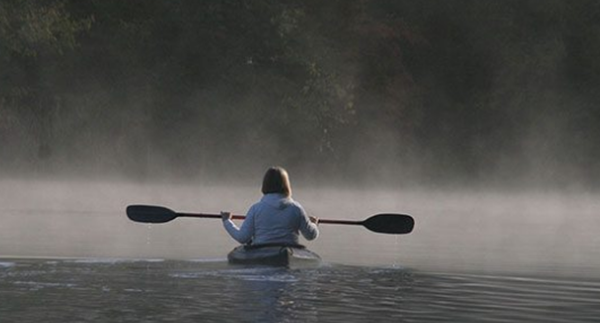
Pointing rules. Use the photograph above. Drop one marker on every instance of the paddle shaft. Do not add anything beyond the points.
(241, 217)
(382, 223)
(207, 216)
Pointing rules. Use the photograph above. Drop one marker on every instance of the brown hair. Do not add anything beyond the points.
(276, 180)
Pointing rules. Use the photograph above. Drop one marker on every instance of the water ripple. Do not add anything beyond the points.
(169, 291)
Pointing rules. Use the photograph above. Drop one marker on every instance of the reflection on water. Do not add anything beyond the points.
(212, 291)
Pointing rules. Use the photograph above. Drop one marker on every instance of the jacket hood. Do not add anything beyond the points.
(278, 201)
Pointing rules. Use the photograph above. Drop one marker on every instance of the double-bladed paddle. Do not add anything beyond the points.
(382, 223)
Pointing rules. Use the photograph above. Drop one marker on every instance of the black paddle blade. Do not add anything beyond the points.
(390, 223)
(150, 214)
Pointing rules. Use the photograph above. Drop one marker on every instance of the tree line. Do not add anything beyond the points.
(417, 90)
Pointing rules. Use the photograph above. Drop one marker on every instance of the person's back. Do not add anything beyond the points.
(276, 218)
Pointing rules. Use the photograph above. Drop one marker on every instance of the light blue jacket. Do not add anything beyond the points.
(274, 219)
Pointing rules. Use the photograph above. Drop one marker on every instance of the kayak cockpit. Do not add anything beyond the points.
(273, 255)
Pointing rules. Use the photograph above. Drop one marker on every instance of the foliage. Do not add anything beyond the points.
(433, 90)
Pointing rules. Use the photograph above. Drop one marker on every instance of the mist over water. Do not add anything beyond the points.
(478, 119)
(527, 233)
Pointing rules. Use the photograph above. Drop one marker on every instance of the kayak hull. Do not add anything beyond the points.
(289, 256)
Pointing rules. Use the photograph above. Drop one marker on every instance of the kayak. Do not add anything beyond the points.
(273, 255)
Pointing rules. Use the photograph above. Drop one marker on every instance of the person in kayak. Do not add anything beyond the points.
(276, 219)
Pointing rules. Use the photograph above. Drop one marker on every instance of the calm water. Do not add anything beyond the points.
(104, 290)
(475, 256)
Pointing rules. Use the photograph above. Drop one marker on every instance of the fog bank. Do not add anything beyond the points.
(541, 233)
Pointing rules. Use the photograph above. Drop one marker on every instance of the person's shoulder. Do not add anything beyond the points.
(296, 205)
(255, 207)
